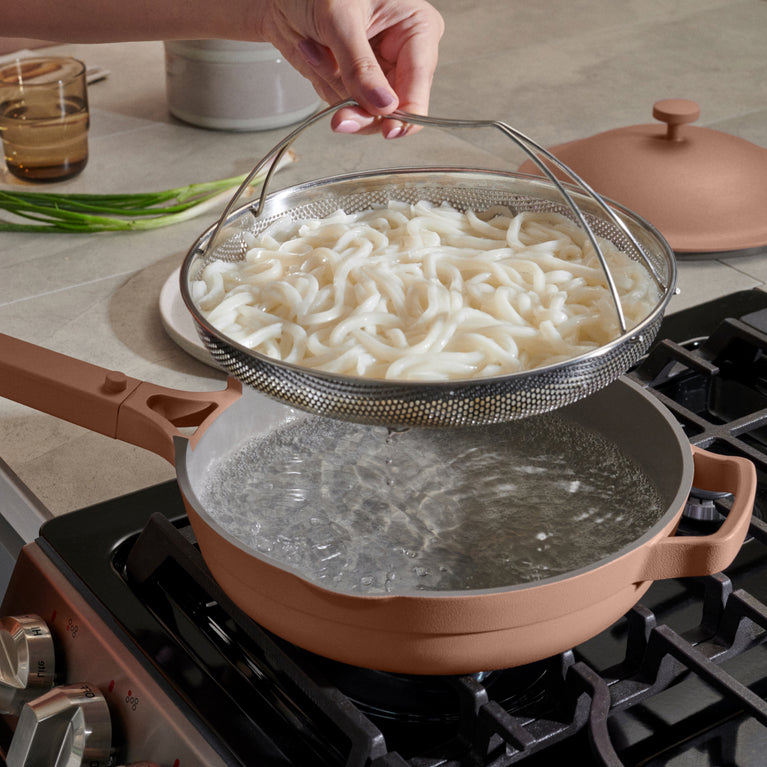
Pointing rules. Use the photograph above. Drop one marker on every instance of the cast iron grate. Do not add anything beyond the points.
(574, 710)
(569, 708)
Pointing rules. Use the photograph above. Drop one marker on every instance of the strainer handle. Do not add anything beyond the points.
(269, 163)
(533, 149)
(530, 147)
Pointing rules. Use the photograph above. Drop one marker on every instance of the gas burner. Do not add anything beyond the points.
(425, 714)
(701, 506)
(705, 511)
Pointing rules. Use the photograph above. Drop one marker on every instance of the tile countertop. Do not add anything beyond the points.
(557, 71)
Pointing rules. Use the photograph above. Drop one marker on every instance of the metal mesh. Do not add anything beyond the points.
(454, 403)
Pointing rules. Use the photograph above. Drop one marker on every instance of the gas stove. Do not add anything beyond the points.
(152, 663)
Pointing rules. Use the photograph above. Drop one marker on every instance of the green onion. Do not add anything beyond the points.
(86, 213)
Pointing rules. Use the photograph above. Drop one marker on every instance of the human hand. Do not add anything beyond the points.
(381, 53)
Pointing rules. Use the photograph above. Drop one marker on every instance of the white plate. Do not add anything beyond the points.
(178, 322)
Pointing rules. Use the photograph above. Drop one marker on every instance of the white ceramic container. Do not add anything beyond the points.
(234, 85)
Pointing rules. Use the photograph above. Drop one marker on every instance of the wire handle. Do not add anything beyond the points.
(530, 147)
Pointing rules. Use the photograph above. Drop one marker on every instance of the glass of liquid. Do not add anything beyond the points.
(44, 117)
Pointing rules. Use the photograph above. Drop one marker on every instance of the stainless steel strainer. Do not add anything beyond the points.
(449, 403)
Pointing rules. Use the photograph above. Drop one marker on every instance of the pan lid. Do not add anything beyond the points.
(704, 190)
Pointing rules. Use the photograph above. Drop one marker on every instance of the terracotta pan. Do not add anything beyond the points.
(423, 632)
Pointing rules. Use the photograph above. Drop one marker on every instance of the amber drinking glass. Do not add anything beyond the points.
(44, 117)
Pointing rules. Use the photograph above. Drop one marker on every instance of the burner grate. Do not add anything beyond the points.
(717, 388)
(257, 698)
(680, 681)
(578, 708)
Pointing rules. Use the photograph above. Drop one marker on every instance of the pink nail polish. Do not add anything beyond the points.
(381, 98)
(347, 126)
(399, 130)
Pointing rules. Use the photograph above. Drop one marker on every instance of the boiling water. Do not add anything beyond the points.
(370, 511)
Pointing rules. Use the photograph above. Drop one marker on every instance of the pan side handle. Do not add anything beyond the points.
(686, 556)
(106, 401)
(64, 387)
(152, 415)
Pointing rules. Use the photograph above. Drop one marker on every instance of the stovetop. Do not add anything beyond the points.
(678, 681)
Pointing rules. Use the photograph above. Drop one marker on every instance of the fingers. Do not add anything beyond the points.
(369, 94)
(406, 52)
(358, 68)
(331, 87)
(355, 120)
(320, 67)
(413, 52)
(381, 53)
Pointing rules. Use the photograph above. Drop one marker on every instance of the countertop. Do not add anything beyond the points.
(557, 71)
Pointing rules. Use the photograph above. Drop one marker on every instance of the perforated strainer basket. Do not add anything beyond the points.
(475, 401)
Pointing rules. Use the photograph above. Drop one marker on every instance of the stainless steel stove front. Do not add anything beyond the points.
(146, 724)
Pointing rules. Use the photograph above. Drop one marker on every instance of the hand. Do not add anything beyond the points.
(381, 53)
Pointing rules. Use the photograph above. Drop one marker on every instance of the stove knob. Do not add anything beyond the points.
(68, 725)
(26, 661)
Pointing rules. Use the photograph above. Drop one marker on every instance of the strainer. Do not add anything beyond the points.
(474, 401)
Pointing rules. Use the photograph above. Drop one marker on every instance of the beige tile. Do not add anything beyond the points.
(751, 127)
(609, 73)
(84, 468)
(116, 327)
(497, 26)
(700, 281)
(754, 267)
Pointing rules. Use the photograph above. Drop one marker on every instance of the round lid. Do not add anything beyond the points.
(704, 190)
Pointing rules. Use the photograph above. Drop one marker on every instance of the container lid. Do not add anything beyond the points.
(704, 190)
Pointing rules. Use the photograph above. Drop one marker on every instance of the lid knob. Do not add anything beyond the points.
(675, 113)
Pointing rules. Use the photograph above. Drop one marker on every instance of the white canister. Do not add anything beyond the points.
(234, 85)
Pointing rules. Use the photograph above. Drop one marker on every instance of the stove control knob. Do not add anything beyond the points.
(68, 725)
(26, 661)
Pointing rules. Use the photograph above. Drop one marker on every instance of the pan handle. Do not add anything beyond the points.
(686, 556)
(106, 401)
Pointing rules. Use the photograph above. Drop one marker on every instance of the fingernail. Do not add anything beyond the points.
(381, 97)
(396, 131)
(347, 126)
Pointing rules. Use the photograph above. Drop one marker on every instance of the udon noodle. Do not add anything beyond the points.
(423, 292)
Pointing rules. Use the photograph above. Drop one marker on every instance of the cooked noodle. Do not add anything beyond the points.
(423, 292)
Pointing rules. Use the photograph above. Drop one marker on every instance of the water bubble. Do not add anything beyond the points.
(356, 506)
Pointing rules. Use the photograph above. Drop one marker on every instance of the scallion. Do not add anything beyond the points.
(85, 213)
